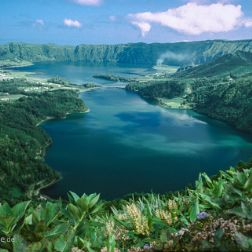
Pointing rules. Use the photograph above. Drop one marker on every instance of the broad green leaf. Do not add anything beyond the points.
(5, 210)
(241, 179)
(35, 246)
(184, 220)
(94, 200)
(18, 212)
(19, 244)
(247, 209)
(163, 236)
(207, 179)
(244, 241)
(210, 201)
(60, 244)
(111, 244)
(244, 211)
(65, 243)
(194, 210)
(219, 234)
(73, 196)
(219, 188)
(19, 209)
(97, 208)
(86, 245)
(9, 217)
(74, 212)
(199, 184)
(51, 212)
(83, 203)
(57, 230)
(248, 184)
(28, 220)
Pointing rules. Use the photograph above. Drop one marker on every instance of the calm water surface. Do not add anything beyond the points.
(127, 145)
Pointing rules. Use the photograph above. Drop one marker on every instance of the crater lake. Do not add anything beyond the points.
(126, 145)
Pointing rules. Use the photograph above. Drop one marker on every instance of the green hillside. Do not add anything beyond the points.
(221, 89)
(237, 63)
(229, 101)
(182, 53)
(22, 144)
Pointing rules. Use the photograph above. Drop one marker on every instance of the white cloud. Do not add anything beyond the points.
(248, 23)
(87, 2)
(72, 23)
(193, 18)
(143, 26)
(39, 22)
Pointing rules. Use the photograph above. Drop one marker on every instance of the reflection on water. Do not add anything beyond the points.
(125, 145)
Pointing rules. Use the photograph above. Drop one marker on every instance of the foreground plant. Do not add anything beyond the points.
(216, 215)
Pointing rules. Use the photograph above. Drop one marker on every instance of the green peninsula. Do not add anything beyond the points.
(23, 105)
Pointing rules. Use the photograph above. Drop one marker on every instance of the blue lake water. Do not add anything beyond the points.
(125, 145)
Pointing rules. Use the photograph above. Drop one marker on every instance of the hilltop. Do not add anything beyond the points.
(180, 53)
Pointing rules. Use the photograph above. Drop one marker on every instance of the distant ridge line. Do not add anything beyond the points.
(176, 53)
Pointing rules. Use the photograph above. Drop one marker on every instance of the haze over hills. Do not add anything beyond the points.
(181, 53)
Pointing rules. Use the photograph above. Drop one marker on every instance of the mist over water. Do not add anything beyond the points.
(125, 145)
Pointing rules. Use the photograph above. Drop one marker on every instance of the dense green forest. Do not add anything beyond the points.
(181, 53)
(22, 143)
(238, 63)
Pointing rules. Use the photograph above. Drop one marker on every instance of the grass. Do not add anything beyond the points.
(166, 69)
(174, 103)
(16, 63)
(8, 98)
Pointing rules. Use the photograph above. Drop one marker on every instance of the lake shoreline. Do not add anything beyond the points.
(167, 104)
(82, 156)
(9, 72)
(62, 118)
(53, 181)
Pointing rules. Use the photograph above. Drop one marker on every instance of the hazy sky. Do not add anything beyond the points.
(122, 21)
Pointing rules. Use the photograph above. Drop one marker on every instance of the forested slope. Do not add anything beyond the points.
(238, 63)
(221, 89)
(182, 53)
(22, 143)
